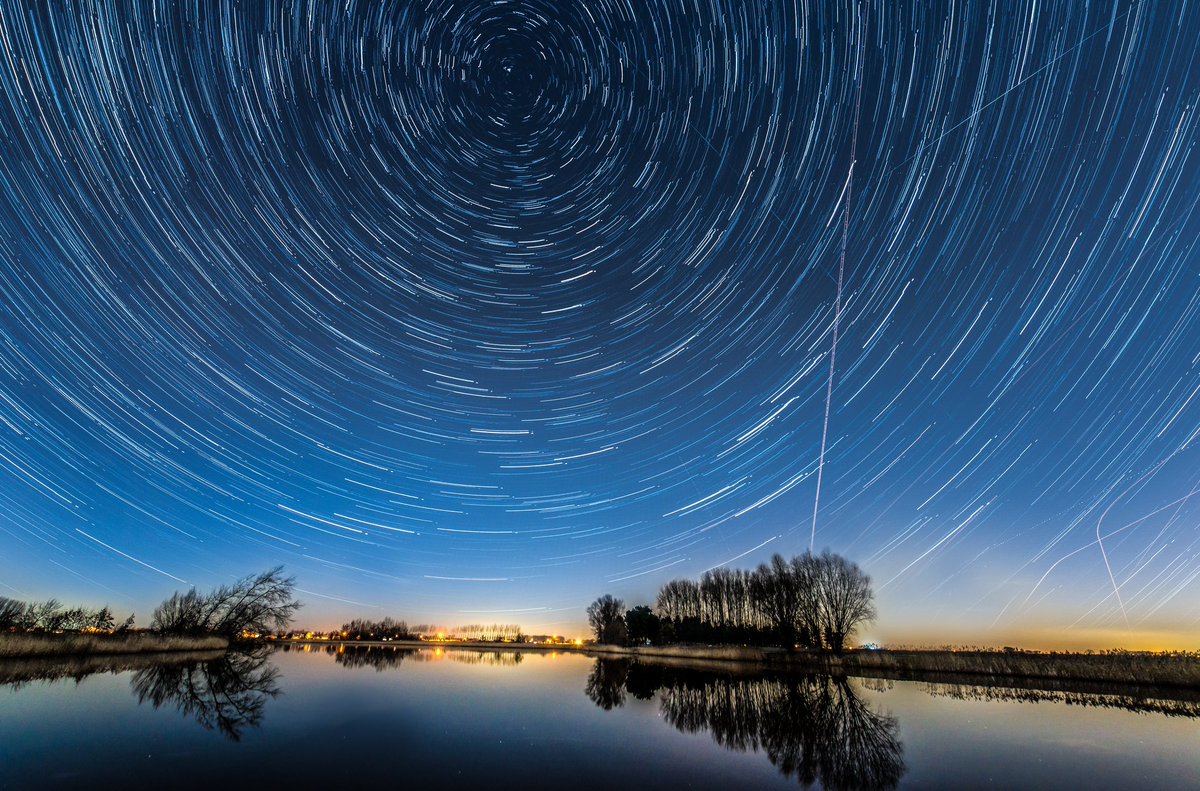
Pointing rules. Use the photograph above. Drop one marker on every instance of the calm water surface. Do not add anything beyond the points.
(537, 720)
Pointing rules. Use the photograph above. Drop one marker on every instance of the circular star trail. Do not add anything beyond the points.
(459, 307)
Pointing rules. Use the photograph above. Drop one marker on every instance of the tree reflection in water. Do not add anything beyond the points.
(385, 658)
(380, 659)
(228, 694)
(606, 683)
(814, 728)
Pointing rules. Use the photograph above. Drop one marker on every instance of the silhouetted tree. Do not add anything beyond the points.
(102, 620)
(808, 615)
(643, 625)
(257, 603)
(726, 603)
(607, 621)
(362, 629)
(45, 616)
(777, 596)
(844, 597)
(50, 616)
(816, 601)
(75, 619)
(182, 613)
(12, 613)
(497, 632)
(679, 600)
(125, 625)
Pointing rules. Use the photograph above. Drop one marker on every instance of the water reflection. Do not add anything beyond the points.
(606, 683)
(226, 691)
(391, 657)
(228, 694)
(379, 658)
(17, 673)
(814, 728)
(516, 724)
(1181, 702)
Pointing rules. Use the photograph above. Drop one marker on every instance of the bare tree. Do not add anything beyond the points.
(49, 616)
(257, 603)
(12, 613)
(102, 620)
(496, 632)
(679, 599)
(808, 614)
(845, 599)
(777, 596)
(606, 616)
(182, 613)
(46, 615)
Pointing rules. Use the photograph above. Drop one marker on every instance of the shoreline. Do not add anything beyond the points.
(32, 646)
(1127, 669)
(1124, 668)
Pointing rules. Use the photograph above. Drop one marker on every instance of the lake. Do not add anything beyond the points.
(314, 716)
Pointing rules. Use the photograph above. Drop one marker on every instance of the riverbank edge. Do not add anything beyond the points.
(27, 646)
(1125, 668)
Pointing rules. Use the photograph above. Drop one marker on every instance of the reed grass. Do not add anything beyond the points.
(1168, 668)
(35, 645)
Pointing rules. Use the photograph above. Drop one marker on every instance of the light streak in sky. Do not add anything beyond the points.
(837, 303)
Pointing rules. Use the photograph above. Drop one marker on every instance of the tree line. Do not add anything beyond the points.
(50, 616)
(393, 629)
(387, 629)
(812, 601)
(254, 604)
(493, 633)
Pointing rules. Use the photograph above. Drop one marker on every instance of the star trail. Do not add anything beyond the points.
(450, 305)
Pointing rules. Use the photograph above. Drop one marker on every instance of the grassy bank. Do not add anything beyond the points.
(716, 653)
(49, 645)
(1118, 667)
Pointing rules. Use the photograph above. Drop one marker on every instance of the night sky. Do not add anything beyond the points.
(472, 311)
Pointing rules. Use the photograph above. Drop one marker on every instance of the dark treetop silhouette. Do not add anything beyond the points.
(814, 601)
(256, 604)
